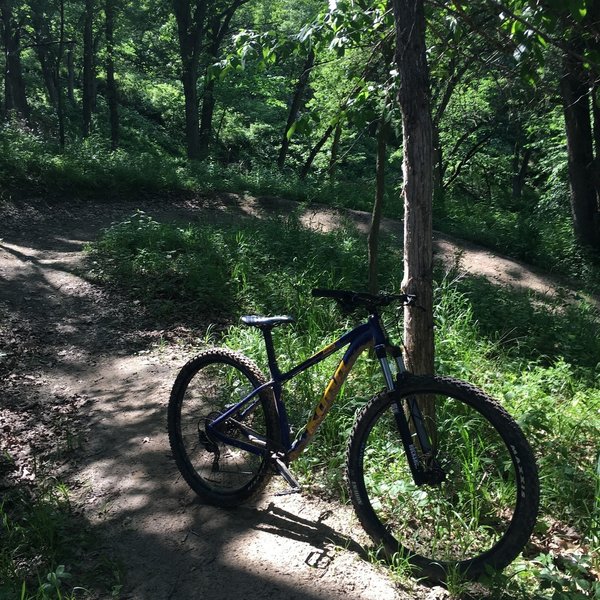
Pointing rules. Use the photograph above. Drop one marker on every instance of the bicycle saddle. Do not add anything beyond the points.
(266, 322)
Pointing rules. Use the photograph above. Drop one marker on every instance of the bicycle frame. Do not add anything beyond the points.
(362, 337)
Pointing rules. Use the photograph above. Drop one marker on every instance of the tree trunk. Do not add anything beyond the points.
(192, 118)
(520, 166)
(455, 73)
(315, 150)
(15, 97)
(335, 149)
(373, 237)
(89, 74)
(190, 30)
(60, 105)
(438, 165)
(111, 88)
(413, 96)
(582, 180)
(71, 74)
(43, 51)
(219, 27)
(208, 111)
(295, 107)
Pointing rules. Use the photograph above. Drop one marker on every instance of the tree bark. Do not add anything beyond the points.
(580, 151)
(206, 118)
(42, 46)
(60, 105)
(335, 150)
(71, 73)
(295, 106)
(111, 87)
(413, 97)
(521, 158)
(192, 119)
(89, 74)
(375, 226)
(190, 30)
(219, 28)
(15, 96)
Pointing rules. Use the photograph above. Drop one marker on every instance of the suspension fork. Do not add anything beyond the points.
(403, 406)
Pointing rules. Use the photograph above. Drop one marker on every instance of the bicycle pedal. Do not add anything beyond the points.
(282, 469)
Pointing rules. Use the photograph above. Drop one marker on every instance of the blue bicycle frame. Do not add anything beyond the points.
(366, 335)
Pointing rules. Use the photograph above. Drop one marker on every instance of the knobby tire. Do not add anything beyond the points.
(480, 516)
(206, 386)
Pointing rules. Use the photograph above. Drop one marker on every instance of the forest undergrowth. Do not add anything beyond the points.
(539, 357)
(539, 233)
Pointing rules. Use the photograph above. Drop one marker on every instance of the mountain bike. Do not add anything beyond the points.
(436, 470)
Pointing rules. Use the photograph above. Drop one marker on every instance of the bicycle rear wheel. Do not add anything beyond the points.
(205, 388)
(480, 507)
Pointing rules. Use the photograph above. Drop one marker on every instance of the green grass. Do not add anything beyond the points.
(32, 164)
(540, 360)
(42, 542)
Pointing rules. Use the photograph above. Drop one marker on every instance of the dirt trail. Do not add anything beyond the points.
(99, 359)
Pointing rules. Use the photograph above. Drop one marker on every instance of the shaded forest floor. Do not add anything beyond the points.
(85, 379)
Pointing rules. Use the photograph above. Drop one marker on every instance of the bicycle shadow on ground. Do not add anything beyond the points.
(278, 521)
(173, 546)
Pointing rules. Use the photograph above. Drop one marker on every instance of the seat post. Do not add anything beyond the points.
(273, 367)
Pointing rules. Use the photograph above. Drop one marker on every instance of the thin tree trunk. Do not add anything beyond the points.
(71, 74)
(60, 107)
(327, 134)
(219, 28)
(217, 33)
(43, 50)
(192, 118)
(295, 107)
(455, 74)
(111, 87)
(520, 166)
(206, 118)
(373, 237)
(413, 96)
(15, 96)
(88, 68)
(190, 30)
(580, 152)
(335, 149)
(315, 150)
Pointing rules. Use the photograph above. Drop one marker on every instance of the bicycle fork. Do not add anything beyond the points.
(427, 472)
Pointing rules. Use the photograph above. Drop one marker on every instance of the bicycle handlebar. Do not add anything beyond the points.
(349, 299)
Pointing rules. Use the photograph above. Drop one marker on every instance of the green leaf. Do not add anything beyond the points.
(290, 132)
(516, 28)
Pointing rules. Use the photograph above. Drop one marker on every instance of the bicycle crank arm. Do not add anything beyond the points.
(282, 469)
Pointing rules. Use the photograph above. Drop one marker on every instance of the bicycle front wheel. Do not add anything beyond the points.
(480, 504)
(205, 388)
